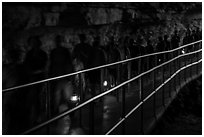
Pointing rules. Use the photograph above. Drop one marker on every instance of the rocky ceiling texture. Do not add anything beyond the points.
(21, 20)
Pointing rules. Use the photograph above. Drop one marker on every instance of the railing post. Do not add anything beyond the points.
(129, 74)
(163, 95)
(101, 80)
(179, 64)
(197, 60)
(174, 79)
(186, 63)
(91, 118)
(123, 109)
(142, 108)
(191, 58)
(141, 94)
(81, 96)
(154, 86)
(118, 80)
(47, 107)
(148, 65)
(183, 65)
(194, 55)
(91, 112)
(177, 77)
(170, 71)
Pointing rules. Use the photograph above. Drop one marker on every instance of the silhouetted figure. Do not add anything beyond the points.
(112, 53)
(143, 49)
(150, 49)
(139, 43)
(35, 63)
(189, 31)
(126, 67)
(97, 53)
(192, 39)
(198, 33)
(60, 59)
(167, 46)
(187, 40)
(113, 56)
(135, 50)
(126, 47)
(160, 47)
(194, 36)
(60, 64)
(198, 37)
(82, 51)
(175, 40)
(97, 59)
(36, 59)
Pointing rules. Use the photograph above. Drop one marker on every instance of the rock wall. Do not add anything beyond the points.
(184, 115)
(22, 20)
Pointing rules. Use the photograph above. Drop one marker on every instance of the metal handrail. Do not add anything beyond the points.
(104, 93)
(94, 68)
(150, 95)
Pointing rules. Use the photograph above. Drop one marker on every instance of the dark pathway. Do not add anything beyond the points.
(105, 120)
(108, 112)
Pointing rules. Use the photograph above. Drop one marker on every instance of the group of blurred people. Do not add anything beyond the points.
(92, 55)
(61, 58)
(38, 65)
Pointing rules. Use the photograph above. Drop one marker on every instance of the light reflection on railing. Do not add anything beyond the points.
(118, 86)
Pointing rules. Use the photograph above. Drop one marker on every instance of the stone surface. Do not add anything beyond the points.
(21, 21)
(184, 115)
